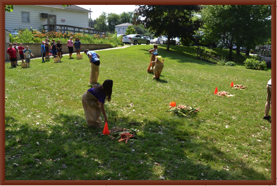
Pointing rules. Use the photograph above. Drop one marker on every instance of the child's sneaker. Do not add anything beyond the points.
(267, 117)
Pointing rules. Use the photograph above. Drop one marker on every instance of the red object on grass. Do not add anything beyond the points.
(106, 129)
(232, 84)
(172, 104)
(215, 91)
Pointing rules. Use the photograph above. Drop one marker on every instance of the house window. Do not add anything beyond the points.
(25, 17)
(119, 30)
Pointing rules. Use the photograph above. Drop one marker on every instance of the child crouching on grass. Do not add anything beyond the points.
(159, 65)
(151, 65)
(27, 55)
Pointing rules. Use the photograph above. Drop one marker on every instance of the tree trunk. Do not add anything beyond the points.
(168, 42)
(230, 49)
(247, 51)
(238, 50)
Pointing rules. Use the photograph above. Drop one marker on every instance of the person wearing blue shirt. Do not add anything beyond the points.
(77, 46)
(93, 103)
(27, 54)
(43, 50)
(95, 62)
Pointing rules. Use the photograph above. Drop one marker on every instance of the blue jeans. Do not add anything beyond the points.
(42, 55)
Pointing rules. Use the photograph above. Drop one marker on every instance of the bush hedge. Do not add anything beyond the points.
(251, 63)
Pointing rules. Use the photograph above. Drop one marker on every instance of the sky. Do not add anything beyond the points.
(98, 9)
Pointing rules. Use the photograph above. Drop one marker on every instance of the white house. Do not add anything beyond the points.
(121, 29)
(26, 16)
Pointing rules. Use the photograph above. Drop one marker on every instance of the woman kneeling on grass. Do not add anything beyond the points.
(93, 102)
(159, 65)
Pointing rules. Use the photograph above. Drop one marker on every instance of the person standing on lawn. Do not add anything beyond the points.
(20, 50)
(268, 100)
(151, 65)
(70, 47)
(77, 45)
(59, 49)
(16, 48)
(27, 54)
(159, 65)
(54, 48)
(12, 54)
(47, 49)
(93, 103)
(42, 49)
(95, 62)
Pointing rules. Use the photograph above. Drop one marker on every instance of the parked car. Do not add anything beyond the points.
(154, 41)
(135, 39)
(178, 42)
(147, 37)
(121, 35)
(162, 40)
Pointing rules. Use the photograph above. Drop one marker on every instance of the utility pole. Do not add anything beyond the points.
(89, 17)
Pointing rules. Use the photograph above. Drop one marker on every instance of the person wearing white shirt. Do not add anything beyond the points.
(268, 101)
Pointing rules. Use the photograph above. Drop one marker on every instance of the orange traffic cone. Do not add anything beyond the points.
(106, 129)
(232, 84)
(215, 91)
(172, 104)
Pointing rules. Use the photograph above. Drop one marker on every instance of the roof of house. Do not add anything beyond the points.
(70, 7)
(124, 24)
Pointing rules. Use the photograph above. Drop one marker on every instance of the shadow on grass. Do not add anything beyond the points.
(69, 149)
(160, 80)
(191, 52)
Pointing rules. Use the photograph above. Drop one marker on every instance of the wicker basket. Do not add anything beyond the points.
(57, 60)
(80, 56)
(24, 65)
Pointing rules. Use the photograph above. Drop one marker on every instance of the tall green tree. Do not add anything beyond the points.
(101, 22)
(91, 23)
(126, 17)
(113, 19)
(170, 20)
(130, 30)
(241, 25)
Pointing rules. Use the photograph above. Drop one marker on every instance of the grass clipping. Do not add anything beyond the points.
(183, 111)
(240, 87)
(122, 134)
(224, 93)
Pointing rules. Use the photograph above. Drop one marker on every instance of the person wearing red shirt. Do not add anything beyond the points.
(20, 50)
(16, 48)
(12, 55)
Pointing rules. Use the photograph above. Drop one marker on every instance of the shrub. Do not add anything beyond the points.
(26, 36)
(252, 63)
(12, 38)
(230, 63)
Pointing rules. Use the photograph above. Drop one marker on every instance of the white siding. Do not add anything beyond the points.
(13, 20)
(7, 38)
(121, 29)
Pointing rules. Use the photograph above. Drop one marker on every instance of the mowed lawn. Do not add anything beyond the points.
(47, 137)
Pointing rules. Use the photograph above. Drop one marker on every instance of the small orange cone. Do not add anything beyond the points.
(232, 84)
(172, 104)
(215, 91)
(106, 129)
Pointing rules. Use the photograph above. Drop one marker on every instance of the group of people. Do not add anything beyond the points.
(56, 48)
(94, 98)
(16, 52)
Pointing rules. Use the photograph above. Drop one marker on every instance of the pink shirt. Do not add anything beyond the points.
(70, 43)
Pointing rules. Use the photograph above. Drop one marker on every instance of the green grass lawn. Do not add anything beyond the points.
(47, 137)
